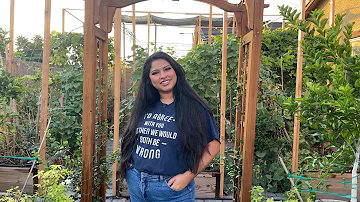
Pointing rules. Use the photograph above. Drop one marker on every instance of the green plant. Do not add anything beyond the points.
(257, 194)
(330, 105)
(4, 41)
(12, 195)
(51, 187)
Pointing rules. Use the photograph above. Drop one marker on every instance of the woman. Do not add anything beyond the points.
(171, 135)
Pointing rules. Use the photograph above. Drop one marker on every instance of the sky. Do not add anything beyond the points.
(29, 18)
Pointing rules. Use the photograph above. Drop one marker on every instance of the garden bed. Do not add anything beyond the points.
(12, 176)
(335, 186)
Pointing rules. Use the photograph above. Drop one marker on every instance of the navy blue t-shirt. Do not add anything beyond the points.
(157, 148)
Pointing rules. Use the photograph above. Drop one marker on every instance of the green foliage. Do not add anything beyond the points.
(330, 106)
(67, 49)
(12, 195)
(257, 194)
(4, 41)
(29, 50)
(52, 190)
(279, 49)
(10, 88)
(66, 105)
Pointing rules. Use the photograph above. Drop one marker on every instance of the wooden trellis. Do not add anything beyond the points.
(248, 15)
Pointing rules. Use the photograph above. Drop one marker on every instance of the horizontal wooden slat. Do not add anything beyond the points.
(15, 176)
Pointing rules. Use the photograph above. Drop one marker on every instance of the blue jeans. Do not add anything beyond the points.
(144, 187)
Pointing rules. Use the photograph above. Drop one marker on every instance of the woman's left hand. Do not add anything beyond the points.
(180, 181)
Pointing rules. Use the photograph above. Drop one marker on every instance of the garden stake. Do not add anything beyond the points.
(33, 165)
(291, 180)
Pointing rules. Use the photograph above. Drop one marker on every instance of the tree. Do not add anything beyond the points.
(4, 41)
(330, 104)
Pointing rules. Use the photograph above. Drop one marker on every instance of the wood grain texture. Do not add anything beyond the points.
(11, 177)
(251, 99)
(205, 185)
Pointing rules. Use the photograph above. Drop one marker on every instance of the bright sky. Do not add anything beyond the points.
(29, 18)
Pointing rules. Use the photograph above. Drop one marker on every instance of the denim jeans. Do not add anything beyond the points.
(144, 187)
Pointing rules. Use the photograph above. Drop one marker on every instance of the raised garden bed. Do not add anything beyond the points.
(12, 176)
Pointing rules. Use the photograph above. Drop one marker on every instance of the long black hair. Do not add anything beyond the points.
(189, 114)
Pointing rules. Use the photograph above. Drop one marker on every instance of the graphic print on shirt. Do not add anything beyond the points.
(155, 133)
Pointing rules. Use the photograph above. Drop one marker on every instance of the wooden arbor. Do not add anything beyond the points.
(249, 17)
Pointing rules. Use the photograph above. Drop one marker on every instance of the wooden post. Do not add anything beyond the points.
(233, 25)
(148, 23)
(332, 13)
(155, 35)
(12, 39)
(45, 83)
(103, 95)
(223, 104)
(240, 98)
(89, 99)
(283, 23)
(257, 9)
(210, 27)
(134, 42)
(124, 58)
(199, 31)
(134, 36)
(295, 157)
(63, 21)
(117, 42)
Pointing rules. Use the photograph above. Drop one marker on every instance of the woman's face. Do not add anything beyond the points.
(162, 76)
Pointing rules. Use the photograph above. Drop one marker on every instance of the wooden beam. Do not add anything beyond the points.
(45, 83)
(100, 33)
(241, 19)
(240, 99)
(210, 26)
(233, 26)
(251, 100)
(89, 99)
(124, 58)
(122, 3)
(97, 10)
(104, 57)
(12, 38)
(148, 24)
(332, 13)
(134, 40)
(223, 104)
(63, 21)
(250, 8)
(199, 30)
(295, 157)
(134, 36)
(110, 19)
(224, 5)
(248, 37)
(155, 35)
(117, 75)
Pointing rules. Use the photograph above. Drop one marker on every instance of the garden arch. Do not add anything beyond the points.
(248, 14)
